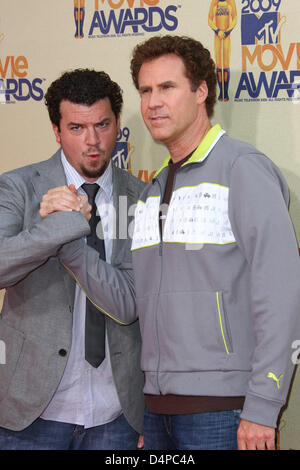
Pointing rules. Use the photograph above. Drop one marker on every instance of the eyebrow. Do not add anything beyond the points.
(74, 123)
(100, 121)
(167, 82)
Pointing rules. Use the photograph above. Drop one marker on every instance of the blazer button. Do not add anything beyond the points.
(62, 352)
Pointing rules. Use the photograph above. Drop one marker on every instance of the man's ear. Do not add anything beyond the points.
(202, 92)
(57, 133)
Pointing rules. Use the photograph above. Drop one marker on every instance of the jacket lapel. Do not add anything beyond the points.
(49, 174)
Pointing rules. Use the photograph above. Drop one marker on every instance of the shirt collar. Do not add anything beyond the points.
(73, 177)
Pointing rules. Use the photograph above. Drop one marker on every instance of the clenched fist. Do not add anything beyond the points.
(65, 198)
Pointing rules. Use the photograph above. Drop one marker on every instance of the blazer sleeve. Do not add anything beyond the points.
(23, 249)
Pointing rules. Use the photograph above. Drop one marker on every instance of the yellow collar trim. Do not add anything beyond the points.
(203, 148)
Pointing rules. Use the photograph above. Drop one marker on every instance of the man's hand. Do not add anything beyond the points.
(85, 208)
(252, 436)
(140, 444)
(64, 198)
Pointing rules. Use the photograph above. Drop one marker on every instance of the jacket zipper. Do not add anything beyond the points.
(160, 281)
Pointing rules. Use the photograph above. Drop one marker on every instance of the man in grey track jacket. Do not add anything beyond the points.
(214, 274)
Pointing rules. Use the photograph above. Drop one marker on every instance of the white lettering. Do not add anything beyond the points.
(2, 352)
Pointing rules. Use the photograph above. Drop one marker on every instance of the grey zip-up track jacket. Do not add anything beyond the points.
(217, 294)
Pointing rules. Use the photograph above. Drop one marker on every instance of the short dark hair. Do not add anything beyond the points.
(82, 86)
(197, 60)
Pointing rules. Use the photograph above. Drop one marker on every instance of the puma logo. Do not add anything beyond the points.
(277, 380)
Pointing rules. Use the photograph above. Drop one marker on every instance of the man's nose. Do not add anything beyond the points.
(155, 100)
(92, 136)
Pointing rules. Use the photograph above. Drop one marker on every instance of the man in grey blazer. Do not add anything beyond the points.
(50, 396)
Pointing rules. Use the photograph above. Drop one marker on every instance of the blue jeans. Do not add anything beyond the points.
(52, 435)
(215, 430)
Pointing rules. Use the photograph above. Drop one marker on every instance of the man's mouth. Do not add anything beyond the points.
(93, 155)
(157, 119)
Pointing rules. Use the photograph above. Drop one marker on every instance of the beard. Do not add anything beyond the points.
(93, 173)
(96, 172)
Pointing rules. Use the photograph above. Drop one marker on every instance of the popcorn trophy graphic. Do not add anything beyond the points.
(222, 19)
(79, 13)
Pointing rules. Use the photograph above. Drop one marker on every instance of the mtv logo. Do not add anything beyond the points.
(266, 28)
(120, 155)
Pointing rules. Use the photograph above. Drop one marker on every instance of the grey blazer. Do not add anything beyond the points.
(36, 319)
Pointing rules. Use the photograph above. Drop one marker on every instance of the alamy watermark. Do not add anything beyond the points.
(296, 354)
(2, 92)
(296, 94)
(119, 222)
(2, 352)
(112, 226)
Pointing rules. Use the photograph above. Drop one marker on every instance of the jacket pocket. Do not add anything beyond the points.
(11, 344)
(191, 333)
(223, 323)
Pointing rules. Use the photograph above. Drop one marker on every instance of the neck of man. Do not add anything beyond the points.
(192, 138)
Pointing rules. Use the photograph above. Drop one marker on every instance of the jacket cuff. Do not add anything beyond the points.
(261, 411)
(69, 251)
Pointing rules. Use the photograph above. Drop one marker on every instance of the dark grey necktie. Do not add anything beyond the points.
(94, 319)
